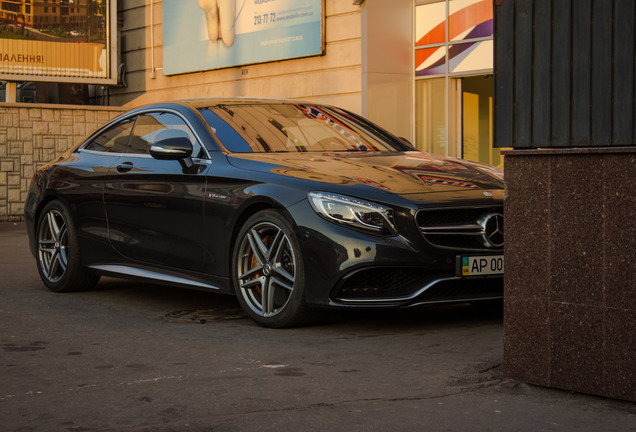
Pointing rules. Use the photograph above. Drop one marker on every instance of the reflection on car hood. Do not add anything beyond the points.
(402, 173)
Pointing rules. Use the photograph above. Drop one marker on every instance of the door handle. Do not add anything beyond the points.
(125, 167)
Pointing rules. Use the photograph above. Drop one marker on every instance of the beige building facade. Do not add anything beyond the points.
(421, 69)
(334, 78)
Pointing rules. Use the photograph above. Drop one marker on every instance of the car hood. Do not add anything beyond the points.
(404, 173)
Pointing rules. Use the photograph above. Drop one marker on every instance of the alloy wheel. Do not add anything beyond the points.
(53, 249)
(266, 269)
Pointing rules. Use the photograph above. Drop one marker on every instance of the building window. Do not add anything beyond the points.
(11, 7)
(453, 45)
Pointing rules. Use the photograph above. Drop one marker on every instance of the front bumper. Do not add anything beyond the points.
(398, 287)
(355, 269)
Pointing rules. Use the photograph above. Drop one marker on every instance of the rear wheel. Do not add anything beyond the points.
(268, 272)
(58, 255)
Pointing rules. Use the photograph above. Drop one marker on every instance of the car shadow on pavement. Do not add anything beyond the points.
(183, 305)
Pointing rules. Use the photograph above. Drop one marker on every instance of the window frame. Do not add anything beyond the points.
(136, 113)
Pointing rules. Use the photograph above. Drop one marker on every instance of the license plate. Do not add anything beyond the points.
(482, 265)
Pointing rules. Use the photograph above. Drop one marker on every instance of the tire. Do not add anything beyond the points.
(58, 256)
(268, 274)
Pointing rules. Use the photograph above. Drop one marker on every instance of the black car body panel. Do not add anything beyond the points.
(177, 222)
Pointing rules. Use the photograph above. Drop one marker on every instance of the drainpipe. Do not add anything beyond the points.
(153, 69)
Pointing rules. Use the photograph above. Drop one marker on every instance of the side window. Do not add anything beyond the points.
(114, 139)
(152, 127)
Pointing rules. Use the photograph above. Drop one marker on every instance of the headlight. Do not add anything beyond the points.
(353, 212)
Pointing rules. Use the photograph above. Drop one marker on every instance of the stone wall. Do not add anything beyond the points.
(31, 135)
(570, 284)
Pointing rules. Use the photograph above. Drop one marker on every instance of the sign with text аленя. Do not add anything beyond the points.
(212, 34)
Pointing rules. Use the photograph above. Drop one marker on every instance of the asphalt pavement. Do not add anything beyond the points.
(140, 357)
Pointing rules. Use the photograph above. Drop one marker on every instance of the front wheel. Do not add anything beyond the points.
(268, 272)
(58, 256)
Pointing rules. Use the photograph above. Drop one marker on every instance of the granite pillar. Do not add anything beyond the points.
(570, 281)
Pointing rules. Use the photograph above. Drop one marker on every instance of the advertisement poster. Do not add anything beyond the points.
(202, 35)
(69, 42)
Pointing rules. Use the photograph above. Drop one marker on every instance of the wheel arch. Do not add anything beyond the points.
(247, 212)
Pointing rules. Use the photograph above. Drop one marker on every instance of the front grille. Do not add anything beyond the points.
(380, 282)
(457, 228)
(406, 286)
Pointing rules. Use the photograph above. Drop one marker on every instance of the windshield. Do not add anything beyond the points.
(267, 128)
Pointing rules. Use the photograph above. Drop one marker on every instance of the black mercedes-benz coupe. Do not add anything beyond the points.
(288, 205)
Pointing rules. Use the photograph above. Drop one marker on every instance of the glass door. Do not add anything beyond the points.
(475, 112)
(430, 125)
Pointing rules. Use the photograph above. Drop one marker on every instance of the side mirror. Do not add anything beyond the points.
(177, 148)
(407, 142)
(171, 149)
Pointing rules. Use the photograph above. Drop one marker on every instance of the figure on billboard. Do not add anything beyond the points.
(200, 35)
(220, 17)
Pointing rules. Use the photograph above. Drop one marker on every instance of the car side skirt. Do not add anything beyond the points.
(130, 272)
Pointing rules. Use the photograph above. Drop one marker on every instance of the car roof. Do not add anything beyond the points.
(197, 103)
(203, 102)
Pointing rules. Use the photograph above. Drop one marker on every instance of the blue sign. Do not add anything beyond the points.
(213, 34)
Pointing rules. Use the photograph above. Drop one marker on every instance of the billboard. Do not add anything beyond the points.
(63, 41)
(213, 34)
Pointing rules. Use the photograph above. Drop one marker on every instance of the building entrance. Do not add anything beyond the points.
(454, 79)
(476, 102)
